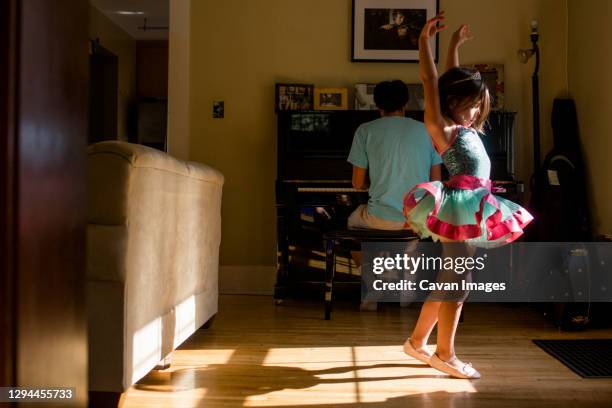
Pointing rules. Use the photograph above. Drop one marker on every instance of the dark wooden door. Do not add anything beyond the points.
(44, 194)
(7, 163)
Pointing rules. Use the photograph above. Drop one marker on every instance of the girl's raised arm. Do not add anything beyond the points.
(434, 121)
(460, 36)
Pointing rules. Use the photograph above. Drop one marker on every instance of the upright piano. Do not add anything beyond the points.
(314, 193)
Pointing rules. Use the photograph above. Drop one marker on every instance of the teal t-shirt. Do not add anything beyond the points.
(398, 154)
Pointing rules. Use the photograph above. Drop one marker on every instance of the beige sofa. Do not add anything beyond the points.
(153, 234)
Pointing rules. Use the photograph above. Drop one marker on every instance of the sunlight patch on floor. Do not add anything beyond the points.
(196, 358)
(350, 375)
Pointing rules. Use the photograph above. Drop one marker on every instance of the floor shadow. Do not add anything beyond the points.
(262, 379)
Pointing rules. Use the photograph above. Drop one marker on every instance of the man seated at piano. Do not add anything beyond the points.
(390, 155)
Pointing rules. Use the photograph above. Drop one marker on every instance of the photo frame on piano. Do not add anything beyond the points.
(331, 99)
(290, 97)
(364, 97)
(416, 97)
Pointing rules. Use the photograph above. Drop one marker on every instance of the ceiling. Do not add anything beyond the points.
(120, 12)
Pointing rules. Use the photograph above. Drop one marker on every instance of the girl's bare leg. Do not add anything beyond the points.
(449, 313)
(425, 324)
(430, 312)
(448, 320)
(445, 313)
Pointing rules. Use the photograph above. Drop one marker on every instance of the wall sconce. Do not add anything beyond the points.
(525, 54)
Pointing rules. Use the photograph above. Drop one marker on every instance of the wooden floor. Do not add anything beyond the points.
(257, 354)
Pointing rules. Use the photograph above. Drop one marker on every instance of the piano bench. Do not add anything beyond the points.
(334, 239)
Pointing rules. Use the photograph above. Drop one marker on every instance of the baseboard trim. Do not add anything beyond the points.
(247, 279)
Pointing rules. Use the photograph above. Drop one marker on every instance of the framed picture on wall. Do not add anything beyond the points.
(493, 75)
(293, 97)
(331, 99)
(388, 30)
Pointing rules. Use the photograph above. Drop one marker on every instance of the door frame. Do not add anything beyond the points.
(8, 101)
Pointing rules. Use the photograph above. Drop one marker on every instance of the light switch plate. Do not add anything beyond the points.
(218, 109)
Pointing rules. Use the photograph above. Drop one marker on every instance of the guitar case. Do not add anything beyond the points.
(559, 196)
(560, 207)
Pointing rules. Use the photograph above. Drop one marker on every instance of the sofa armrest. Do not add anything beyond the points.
(139, 156)
(206, 173)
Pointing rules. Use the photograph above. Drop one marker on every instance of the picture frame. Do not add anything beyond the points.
(331, 99)
(493, 75)
(364, 96)
(416, 97)
(291, 96)
(388, 30)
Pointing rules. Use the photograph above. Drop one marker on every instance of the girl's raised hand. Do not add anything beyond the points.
(462, 34)
(431, 27)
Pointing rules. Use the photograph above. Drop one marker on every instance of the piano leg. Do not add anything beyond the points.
(330, 269)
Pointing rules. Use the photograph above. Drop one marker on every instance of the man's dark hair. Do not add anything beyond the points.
(391, 96)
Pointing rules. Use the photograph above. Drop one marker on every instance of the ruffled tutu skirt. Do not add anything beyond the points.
(464, 209)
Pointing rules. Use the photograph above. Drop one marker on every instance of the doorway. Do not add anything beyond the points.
(103, 91)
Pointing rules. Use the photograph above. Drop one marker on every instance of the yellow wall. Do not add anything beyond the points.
(117, 41)
(239, 49)
(590, 82)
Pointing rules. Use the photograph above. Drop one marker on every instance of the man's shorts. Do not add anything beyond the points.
(360, 218)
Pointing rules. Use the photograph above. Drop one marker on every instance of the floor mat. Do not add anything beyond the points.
(587, 358)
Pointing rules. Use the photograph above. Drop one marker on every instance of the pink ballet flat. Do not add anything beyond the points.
(466, 371)
(413, 352)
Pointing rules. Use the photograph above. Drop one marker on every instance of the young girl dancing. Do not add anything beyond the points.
(462, 209)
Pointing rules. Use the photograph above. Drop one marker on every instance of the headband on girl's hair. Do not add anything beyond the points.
(474, 77)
